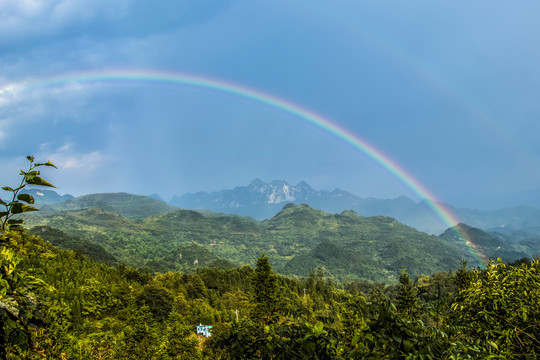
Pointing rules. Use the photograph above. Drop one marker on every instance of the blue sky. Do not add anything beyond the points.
(450, 90)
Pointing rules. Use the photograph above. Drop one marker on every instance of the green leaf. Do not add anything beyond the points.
(48, 163)
(27, 198)
(7, 188)
(15, 221)
(28, 208)
(19, 208)
(16, 208)
(30, 158)
(2, 202)
(407, 345)
(30, 175)
(318, 328)
(38, 181)
(3, 213)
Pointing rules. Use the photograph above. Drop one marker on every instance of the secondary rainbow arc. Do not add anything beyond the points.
(258, 96)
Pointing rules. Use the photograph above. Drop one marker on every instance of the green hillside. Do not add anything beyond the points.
(64, 241)
(346, 246)
(489, 245)
(128, 205)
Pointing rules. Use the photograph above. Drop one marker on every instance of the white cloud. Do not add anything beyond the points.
(23, 19)
(82, 173)
(64, 148)
(39, 17)
(89, 161)
(69, 101)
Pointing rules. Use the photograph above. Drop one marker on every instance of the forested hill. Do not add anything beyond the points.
(298, 239)
(128, 205)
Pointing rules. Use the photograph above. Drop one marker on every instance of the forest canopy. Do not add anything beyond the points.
(61, 304)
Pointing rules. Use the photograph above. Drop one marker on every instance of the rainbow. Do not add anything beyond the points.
(297, 111)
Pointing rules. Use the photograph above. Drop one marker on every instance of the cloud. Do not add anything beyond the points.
(89, 162)
(28, 20)
(77, 172)
(32, 18)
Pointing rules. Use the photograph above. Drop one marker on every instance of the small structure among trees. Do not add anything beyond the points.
(204, 330)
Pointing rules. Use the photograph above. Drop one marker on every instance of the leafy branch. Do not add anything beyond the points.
(21, 203)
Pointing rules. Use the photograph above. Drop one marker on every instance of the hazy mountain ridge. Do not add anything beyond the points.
(44, 197)
(262, 201)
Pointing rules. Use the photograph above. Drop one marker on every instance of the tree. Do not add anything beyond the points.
(158, 300)
(178, 342)
(139, 336)
(406, 297)
(196, 289)
(265, 288)
(500, 305)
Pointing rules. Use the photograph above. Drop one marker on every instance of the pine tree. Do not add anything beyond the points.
(178, 342)
(406, 298)
(140, 336)
(265, 288)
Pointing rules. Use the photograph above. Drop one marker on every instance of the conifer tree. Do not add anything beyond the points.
(406, 297)
(265, 288)
(140, 336)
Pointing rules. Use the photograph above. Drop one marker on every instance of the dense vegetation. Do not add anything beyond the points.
(61, 304)
(347, 246)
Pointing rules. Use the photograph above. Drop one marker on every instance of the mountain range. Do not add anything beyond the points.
(147, 233)
(46, 197)
(262, 200)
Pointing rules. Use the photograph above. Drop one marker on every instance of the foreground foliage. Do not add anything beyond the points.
(60, 304)
(77, 308)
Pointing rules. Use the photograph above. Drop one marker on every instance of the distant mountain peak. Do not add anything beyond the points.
(256, 192)
(257, 183)
(46, 197)
(262, 200)
(304, 186)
